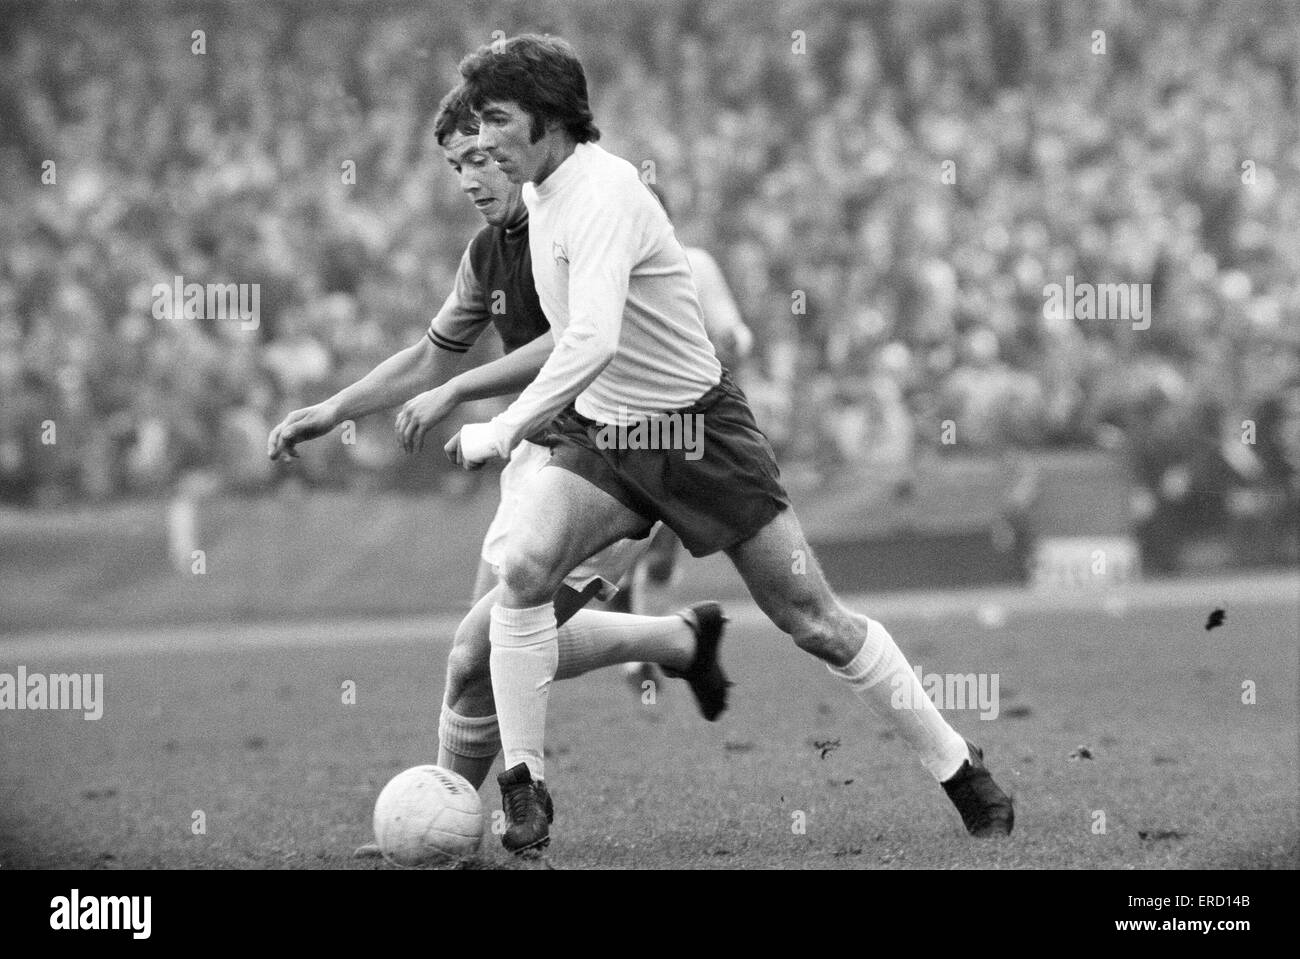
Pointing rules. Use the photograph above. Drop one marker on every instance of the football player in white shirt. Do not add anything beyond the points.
(658, 431)
(496, 260)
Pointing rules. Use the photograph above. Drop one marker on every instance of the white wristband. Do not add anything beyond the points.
(478, 442)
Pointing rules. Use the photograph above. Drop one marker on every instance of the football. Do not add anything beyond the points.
(428, 815)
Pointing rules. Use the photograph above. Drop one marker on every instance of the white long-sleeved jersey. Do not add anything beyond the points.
(617, 289)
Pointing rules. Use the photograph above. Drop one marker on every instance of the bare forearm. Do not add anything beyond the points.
(509, 374)
(401, 376)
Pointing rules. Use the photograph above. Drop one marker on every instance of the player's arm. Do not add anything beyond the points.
(508, 374)
(721, 315)
(433, 360)
(603, 249)
(397, 377)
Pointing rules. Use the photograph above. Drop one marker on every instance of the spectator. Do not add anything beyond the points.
(915, 176)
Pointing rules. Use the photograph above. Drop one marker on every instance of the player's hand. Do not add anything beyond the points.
(472, 446)
(452, 449)
(734, 345)
(307, 423)
(742, 341)
(421, 414)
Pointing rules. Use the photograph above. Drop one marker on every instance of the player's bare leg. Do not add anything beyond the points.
(650, 592)
(468, 742)
(786, 582)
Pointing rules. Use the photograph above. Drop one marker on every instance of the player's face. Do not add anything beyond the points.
(491, 191)
(505, 134)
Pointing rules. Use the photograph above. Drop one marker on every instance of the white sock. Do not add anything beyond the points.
(882, 678)
(523, 662)
(593, 638)
(467, 744)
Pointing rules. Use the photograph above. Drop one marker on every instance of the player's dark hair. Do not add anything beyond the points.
(454, 116)
(540, 73)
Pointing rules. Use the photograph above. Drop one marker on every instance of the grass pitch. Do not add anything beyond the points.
(245, 730)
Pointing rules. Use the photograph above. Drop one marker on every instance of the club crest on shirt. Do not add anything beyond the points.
(557, 251)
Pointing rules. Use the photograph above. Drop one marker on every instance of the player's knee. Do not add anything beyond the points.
(529, 574)
(467, 667)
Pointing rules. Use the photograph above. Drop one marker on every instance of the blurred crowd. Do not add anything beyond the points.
(888, 186)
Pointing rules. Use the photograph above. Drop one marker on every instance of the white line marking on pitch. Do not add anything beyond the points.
(1273, 589)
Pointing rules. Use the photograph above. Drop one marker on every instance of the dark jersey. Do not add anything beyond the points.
(494, 283)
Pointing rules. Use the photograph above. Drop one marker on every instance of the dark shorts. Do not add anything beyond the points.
(718, 491)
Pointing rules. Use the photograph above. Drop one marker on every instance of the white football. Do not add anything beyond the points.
(428, 815)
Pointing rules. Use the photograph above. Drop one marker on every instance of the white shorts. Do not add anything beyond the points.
(526, 461)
